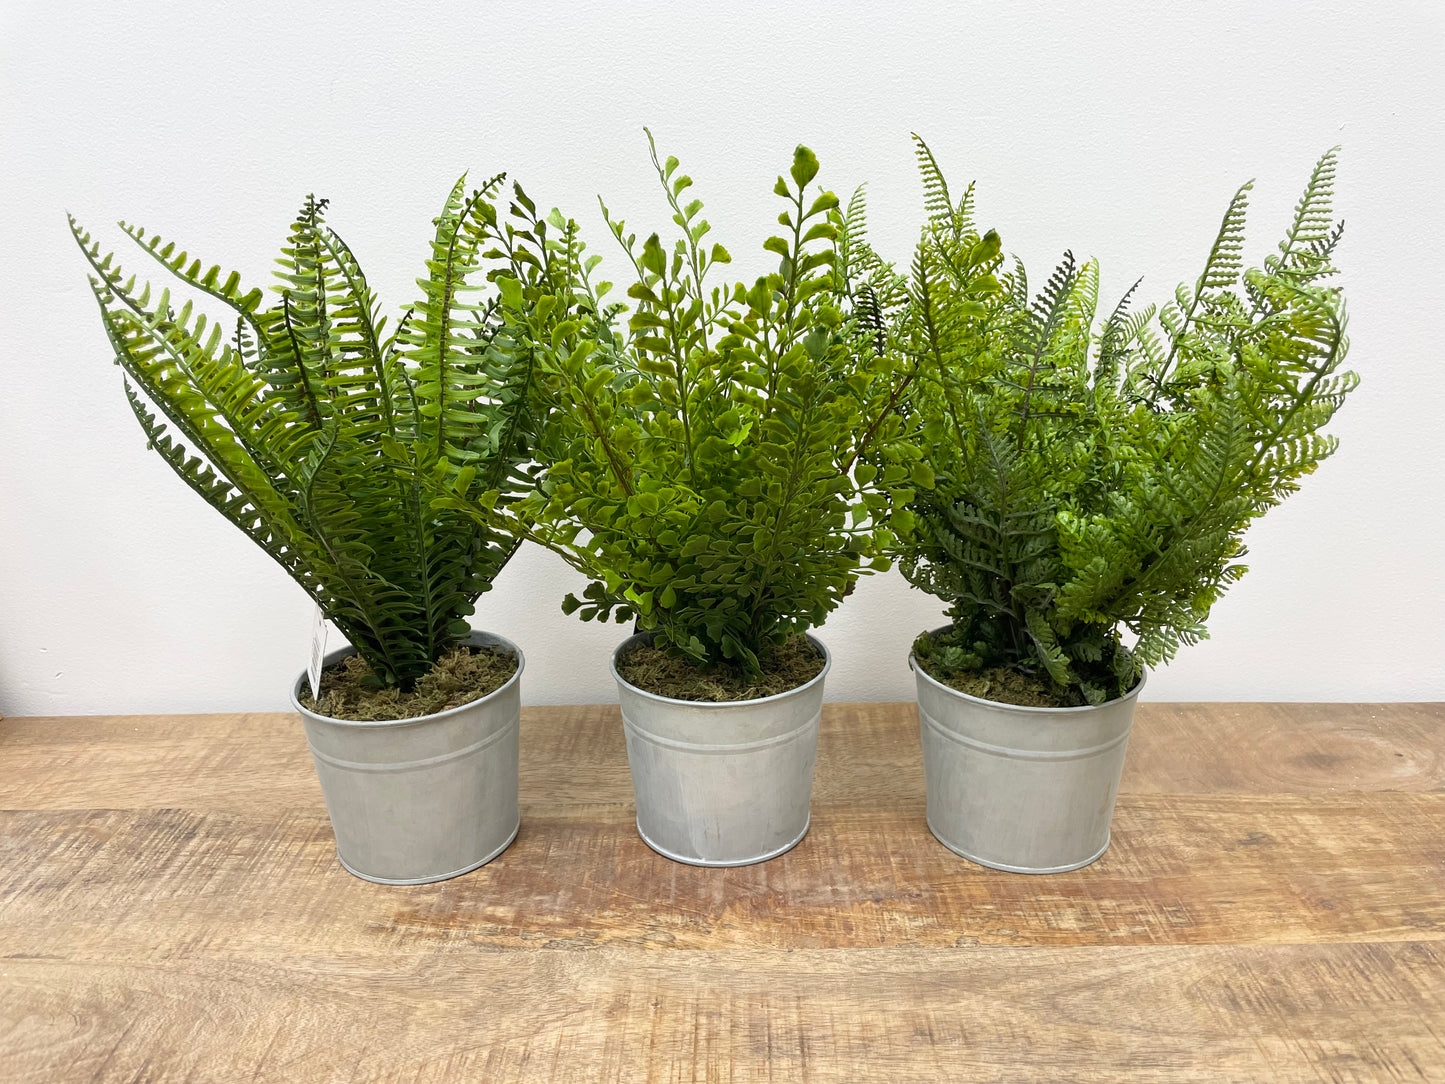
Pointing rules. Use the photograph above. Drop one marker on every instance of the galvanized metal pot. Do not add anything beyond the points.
(1027, 790)
(722, 784)
(424, 799)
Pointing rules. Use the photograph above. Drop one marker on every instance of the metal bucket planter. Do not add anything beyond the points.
(722, 784)
(1021, 789)
(423, 799)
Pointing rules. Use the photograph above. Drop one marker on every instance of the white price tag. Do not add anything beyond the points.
(318, 652)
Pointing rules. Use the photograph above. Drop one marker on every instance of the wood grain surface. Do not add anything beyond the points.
(1272, 908)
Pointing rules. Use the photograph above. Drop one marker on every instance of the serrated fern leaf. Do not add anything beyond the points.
(1314, 213)
(188, 270)
(449, 330)
(937, 203)
(1226, 257)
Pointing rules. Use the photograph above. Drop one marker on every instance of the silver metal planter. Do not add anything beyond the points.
(722, 784)
(1027, 790)
(424, 799)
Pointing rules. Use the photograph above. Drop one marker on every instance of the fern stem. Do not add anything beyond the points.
(315, 411)
(1044, 333)
(679, 364)
(894, 396)
(770, 563)
(359, 294)
(791, 298)
(935, 348)
(444, 319)
(599, 431)
(359, 598)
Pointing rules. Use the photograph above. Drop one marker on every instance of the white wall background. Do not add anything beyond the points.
(1120, 131)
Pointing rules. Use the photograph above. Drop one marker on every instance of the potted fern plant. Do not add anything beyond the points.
(1090, 481)
(320, 436)
(705, 472)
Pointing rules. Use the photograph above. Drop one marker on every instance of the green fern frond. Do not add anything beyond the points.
(963, 213)
(937, 203)
(1118, 334)
(188, 270)
(446, 332)
(1226, 257)
(717, 463)
(1313, 214)
(314, 434)
(1075, 504)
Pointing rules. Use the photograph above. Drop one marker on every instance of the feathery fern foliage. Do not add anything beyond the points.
(321, 436)
(1095, 479)
(705, 466)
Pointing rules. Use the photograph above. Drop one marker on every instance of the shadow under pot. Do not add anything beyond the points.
(721, 784)
(1021, 789)
(422, 799)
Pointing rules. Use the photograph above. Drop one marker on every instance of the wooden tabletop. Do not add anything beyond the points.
(1272, 908)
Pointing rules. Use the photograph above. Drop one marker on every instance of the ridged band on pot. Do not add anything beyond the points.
(420, 800)
(1021, 789)
(722, 784)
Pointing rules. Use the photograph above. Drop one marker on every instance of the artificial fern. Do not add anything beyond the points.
(706, 464)
(322, 437)
(1092, 480)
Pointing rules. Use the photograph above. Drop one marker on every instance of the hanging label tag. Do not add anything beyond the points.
(318, 652)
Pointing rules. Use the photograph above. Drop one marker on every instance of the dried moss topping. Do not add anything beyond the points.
(655, 670)
(941, 659)
(1004, 686)
(349, 689)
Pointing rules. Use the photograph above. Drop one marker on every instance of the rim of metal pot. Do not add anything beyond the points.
(794, 691)
(1024, 709)
(415, 720)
